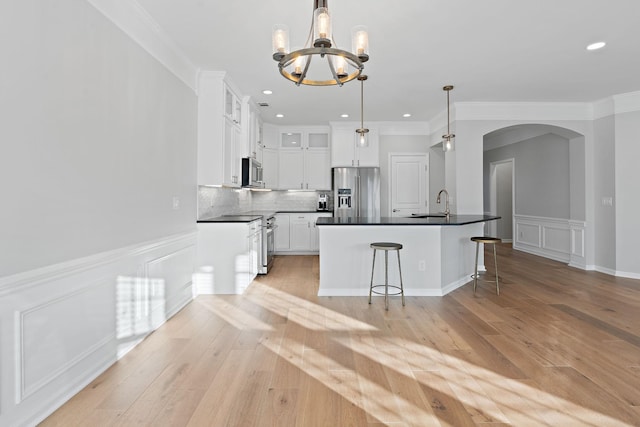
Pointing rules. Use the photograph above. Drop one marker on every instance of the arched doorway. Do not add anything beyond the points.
(548, 188)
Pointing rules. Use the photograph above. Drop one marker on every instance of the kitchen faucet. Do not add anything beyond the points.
(446, 201)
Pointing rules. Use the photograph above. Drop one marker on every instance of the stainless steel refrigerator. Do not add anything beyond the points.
(356, 192)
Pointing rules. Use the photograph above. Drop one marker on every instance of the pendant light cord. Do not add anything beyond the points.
(361, 104)
(448, 119)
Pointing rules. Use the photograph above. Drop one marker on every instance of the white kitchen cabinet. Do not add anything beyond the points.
(219, 131)
(345, 151)
(232, 162)
(252, 130)
(291, 169)
(304, 157)
(282, 234)
(232, 106)
(300, 232)
(270, 167)
(317, 170)
(303, 232)
(227, 256)
(315, 236)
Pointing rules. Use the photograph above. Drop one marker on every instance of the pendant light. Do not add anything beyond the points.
(448, 139)
(362, 134)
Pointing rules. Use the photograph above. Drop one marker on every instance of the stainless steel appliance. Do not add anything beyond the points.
(251, 173)
(356, 192)
(323, 202)
(268, 243)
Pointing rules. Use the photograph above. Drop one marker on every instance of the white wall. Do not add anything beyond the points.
(97, 138)
(541, 175)
(627, 200)
(605, 187)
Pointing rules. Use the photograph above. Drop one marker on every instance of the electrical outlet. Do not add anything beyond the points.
(176, 202)
(422, 265)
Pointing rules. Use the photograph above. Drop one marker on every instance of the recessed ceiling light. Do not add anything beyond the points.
(344, 116)
(596, 46)
(267, 92)
(279, 116)
(406, 115)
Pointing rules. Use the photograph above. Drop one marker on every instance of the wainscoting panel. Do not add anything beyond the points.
(57, 333)
(61, 326)
(578, 256)
(555, 239)
(528, 234)
(547, 237)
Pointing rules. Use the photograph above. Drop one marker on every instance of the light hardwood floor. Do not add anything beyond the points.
(558, 347)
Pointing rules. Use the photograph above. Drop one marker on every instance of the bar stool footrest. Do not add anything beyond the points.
(492, 280)
(373, 290)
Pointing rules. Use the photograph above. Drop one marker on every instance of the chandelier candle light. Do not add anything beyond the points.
(295, 65)
(447, 140)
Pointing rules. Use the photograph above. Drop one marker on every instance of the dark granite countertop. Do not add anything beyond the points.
(251, 216)
(231, 218)
(316, 211)
(435, 220)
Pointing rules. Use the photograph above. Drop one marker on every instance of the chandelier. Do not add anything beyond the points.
(295, 66)
(447, 140)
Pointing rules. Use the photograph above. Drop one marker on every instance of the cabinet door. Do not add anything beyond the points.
(300, 232)
(318, 140)
(281, 233)
(231, 153)
(317, 171)
(270, 168)
(254, 230)
(315, 241)
(342, 147)
(291, 171)
(291, 140)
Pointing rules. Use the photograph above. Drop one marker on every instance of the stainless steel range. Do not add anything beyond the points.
(268, 243)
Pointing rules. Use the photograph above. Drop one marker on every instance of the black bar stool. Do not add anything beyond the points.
(487, 240)
(386, 247)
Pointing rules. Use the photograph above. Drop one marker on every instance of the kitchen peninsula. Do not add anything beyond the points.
(437, 255)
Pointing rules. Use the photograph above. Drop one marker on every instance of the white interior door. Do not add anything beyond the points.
(408, 183)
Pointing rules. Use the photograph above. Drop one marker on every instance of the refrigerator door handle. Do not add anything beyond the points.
(358, 195)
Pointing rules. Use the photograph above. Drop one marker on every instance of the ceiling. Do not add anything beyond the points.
(490, 50)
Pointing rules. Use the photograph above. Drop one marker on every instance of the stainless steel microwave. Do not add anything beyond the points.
(251, 173)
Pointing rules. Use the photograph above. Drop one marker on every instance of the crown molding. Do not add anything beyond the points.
(626, 102)
(523, 111)
(403, 128)
(603, 108)
(136, 22)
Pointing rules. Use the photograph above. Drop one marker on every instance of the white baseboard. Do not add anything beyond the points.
(64, 324)
(612, 272)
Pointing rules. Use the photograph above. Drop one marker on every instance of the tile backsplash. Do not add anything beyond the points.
(216, 201)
